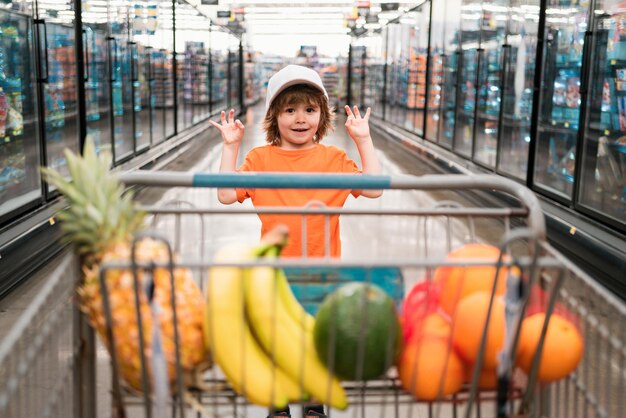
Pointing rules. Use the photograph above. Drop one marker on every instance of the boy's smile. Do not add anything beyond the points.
(297, 125)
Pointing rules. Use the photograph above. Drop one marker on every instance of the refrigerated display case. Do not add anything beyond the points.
(517, 102)
(445, 34)
(374, 67)
(19, 146)
(141, 97)
(253, 78)
(97, 93)
(234, 86)
(358, 55)
(401, 41)
(489, 83)
(196, 80)
(559, 99)
(162, 94)
(603, 181)
(418, 68)
(219, 80)
(121, 83)
(471, 25)
(59, 90)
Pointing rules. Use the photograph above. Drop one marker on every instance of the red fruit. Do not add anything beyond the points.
(422, 300)
(538, 303)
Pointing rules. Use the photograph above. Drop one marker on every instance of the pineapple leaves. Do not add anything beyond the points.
(100, 213)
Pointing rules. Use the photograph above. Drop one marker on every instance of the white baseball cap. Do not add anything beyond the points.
(290, 76)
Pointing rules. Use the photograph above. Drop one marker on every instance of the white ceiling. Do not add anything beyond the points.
(288, 17)
(281, 26)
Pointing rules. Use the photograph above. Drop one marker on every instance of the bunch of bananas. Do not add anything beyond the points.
(260, 335)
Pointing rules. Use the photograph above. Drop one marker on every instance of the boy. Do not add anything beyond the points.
(298, 116)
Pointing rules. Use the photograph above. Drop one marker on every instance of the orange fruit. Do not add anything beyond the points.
(563, 347)
(457, 282)
(426, 365)
(469, 323)
(434, 325)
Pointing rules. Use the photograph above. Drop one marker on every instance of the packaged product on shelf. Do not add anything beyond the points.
(621, 110)
(3, 113)
(558, 97)
(572, 98)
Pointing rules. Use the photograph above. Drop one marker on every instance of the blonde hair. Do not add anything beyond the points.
(298, 94)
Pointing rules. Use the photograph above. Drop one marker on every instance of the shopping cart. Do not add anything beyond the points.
(421, 238)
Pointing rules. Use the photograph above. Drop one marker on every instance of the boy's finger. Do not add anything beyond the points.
(231, 115)
(223, 116)
(217, 125)
(349, 111)
(238, 123)
(356, 112)
(367, 113)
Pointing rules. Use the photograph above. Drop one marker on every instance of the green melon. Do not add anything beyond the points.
(357, 333)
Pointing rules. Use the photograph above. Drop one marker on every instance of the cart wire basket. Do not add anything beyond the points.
(400, 246)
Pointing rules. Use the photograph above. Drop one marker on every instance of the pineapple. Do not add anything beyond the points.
(100, 222)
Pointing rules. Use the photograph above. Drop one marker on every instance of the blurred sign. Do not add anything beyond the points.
(209, 2)
(223, 14)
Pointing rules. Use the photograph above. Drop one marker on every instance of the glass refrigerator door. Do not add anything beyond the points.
(97, 94)
(234, 87)
(559, 101)
(397, 75)
(200, 82)
(141, 94)
(162, 95)
(450, 63)
(121, 82)
(19, 146)
(58, 83)
(517, 101)
(219, 80)
(603, 183)
(471, 13)
(357, 58)
(374, 73)
(158, 87)
(437, 34)
(492, 31)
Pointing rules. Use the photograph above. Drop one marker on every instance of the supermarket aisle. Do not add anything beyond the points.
(227, 228)
(363, 238)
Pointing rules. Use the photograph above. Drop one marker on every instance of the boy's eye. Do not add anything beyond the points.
(290, 110)
(310, 109)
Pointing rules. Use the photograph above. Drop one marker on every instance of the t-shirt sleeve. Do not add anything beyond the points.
(349, 166)
(250, 164)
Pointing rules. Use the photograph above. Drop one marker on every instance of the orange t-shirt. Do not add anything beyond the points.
(318, 159)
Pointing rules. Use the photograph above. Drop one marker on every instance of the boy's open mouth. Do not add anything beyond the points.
(300, 130)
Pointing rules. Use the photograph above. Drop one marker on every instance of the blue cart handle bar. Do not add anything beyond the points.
(344, 181)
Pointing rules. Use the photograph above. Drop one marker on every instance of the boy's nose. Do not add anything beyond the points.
(300, 116)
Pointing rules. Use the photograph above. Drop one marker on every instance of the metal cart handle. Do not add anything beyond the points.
(536, 221)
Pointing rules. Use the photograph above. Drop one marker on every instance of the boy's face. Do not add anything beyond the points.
(297, 125)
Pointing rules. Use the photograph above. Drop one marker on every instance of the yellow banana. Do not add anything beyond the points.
(287, 341)
(295, 309)
(249, 370)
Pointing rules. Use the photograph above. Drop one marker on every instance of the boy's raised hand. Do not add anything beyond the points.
(357, 126)
(232, 130)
